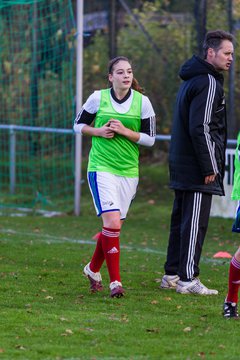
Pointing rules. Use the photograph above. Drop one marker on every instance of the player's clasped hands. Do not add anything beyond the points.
(105, 131)
(117, 126)
(111, 127)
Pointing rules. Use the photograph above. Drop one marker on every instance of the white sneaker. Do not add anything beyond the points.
(116, 289)
(194, 287)
(95, 279)
(169, 281)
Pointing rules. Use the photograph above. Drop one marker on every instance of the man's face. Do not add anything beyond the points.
(223, 57)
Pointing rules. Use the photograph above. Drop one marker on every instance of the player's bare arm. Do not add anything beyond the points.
(103, 131)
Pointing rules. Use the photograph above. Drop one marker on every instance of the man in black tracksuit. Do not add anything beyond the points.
(196, 160)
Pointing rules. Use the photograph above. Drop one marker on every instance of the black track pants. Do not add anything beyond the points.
(189, 222)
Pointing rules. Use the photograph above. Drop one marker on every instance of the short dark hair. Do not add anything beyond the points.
(213, 39)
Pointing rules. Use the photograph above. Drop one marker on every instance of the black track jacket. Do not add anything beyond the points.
(199, 132)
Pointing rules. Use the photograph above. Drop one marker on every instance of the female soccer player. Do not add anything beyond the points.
(230, 305)
(123, 119)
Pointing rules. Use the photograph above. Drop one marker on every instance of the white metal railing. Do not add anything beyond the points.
(12, 146)
(168, 138)
(77, 177)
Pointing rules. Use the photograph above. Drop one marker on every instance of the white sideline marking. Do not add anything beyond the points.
(48, 238)
(24, 211)
(51, 239)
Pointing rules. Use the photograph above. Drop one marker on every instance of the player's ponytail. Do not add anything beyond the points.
(136, 86)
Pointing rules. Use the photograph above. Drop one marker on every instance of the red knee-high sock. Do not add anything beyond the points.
(233, 281)
(111, 249)
(98, 256)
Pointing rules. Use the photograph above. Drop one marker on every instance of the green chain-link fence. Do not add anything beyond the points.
(37, 90)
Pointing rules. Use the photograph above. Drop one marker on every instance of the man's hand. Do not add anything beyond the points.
(209, 179)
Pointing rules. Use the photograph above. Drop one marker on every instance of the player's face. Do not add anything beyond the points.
(222, 58)
(122, 76)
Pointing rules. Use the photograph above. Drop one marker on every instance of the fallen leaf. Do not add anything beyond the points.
(28, 330)
(63, 319)
(114, 317)
(187, 329)
(154, 302)
(67, 332)
(154, 330)
(86, 329)
(207, 329)
(20, 347)
(124, 318)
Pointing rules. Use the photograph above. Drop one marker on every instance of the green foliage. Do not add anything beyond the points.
(216, 15)
(37, 63)
(166, 39)
(176, 6)
(157, 70)
(96, 58)
(37, 87)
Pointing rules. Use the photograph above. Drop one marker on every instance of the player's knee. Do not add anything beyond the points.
(112, 223)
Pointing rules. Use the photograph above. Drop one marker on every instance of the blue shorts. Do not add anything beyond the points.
(236, 224)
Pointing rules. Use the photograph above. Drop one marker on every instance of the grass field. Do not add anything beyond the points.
(47, 312)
